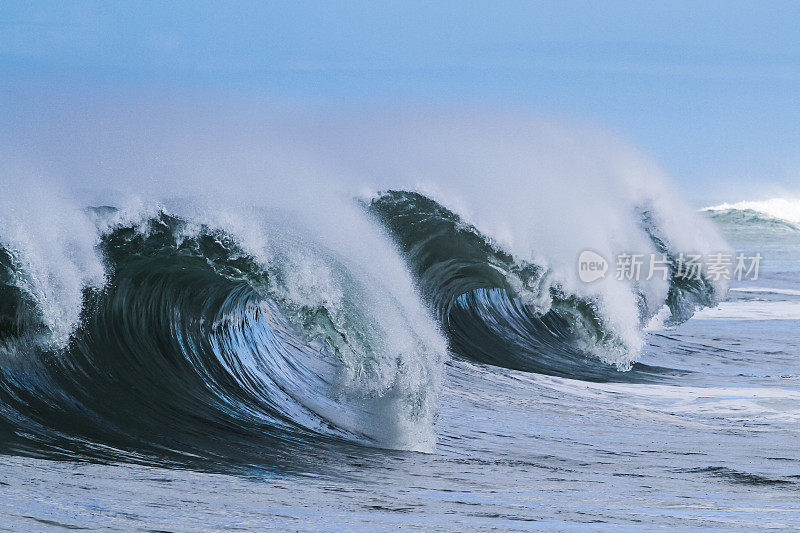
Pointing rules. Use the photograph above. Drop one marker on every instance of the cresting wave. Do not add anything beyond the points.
(502, 311)
(778, 215)
(279, 313)
(192, 345)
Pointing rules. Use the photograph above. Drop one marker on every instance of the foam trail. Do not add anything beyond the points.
(751, 311)
(766, 290)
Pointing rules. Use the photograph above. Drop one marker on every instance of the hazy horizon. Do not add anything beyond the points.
(708, 91)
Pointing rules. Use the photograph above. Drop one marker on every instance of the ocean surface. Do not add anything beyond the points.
(401, 360)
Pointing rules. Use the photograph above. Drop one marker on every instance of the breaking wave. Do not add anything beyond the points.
(256, 315)
(191, 343)
(775, 216)
(514, 313)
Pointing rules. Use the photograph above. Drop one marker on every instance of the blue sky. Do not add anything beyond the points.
(710, 89)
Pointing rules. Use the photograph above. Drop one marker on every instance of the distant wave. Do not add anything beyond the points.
(777, 214)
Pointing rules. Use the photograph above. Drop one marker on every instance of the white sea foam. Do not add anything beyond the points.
(766, 290)
(748, 310)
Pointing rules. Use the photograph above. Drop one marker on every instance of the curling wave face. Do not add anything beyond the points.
(193, 347)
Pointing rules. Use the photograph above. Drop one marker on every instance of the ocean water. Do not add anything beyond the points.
(402, 358)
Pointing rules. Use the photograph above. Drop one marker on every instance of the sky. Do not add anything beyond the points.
(710, 90)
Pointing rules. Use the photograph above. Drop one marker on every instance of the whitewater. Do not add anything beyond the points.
(376, 320)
